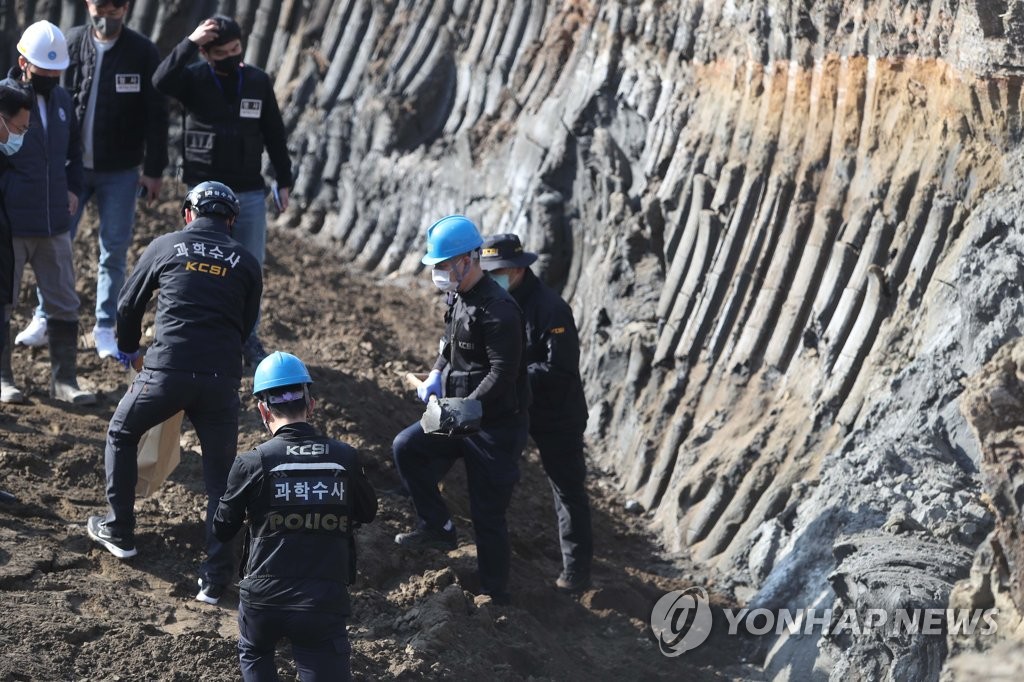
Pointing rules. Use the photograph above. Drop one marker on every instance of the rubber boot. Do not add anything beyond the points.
(9, 393)
(64, 363)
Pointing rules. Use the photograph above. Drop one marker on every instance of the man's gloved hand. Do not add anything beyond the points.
(430, 387)
(129, 360)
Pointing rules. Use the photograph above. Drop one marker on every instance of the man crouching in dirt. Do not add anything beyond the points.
(210, 289)
(303, 493)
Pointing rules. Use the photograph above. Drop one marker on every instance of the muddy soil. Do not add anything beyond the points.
(71, 611)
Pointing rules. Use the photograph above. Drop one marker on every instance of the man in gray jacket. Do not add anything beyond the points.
(40, 186)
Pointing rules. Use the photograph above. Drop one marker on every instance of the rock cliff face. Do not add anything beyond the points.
(790, 231)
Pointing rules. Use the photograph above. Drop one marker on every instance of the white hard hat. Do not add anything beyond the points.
(43, 45)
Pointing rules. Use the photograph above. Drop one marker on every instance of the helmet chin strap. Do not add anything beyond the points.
(460, 274)
(265, 411)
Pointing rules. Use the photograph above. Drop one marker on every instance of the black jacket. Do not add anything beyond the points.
(6, 262)
(228, 121)
(303, 494)
(35, 182)
(553, 357)
(482, 351)
(210, 289)
(131, 115)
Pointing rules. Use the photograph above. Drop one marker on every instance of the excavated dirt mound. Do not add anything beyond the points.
(72, 611)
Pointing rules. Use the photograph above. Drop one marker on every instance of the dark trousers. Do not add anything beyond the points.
(492, 468)
(319, 644)
(211, 404)
(561, 454)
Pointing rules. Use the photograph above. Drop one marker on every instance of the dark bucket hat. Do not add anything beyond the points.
(504, 251)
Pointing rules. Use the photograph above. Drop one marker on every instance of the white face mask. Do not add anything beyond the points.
(14, 140)
(502, 280)
(443, 280)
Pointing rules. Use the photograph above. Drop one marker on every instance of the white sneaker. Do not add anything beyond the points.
(34, 334)
(9, 393)
(106, 344)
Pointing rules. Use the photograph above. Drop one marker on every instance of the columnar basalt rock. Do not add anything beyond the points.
(779, 224)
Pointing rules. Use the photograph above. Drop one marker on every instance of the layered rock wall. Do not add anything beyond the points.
(788, 230)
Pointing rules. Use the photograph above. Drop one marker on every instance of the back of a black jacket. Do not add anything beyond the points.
(210, 289)
(302, 493)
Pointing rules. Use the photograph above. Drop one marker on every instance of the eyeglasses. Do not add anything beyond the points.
(12, 127)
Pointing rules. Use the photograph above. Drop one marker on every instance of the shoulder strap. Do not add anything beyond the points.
(263, 479)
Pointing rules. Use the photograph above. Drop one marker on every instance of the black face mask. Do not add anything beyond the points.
(228, 64)
(44, 85)
(108, 27)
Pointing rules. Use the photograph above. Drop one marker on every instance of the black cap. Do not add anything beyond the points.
(504, 251)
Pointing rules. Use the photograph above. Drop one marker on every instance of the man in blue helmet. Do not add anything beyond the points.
(210, 289)
(303, 493)
(481, 357)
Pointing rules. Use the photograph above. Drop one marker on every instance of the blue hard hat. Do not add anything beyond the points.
(451, 236)
(279, 369)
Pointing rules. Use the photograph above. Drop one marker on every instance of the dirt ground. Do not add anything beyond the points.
(71, 611)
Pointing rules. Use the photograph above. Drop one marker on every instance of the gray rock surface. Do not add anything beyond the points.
(790, 231)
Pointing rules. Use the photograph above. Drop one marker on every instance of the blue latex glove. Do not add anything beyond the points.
(432, 386)
(128, 359)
